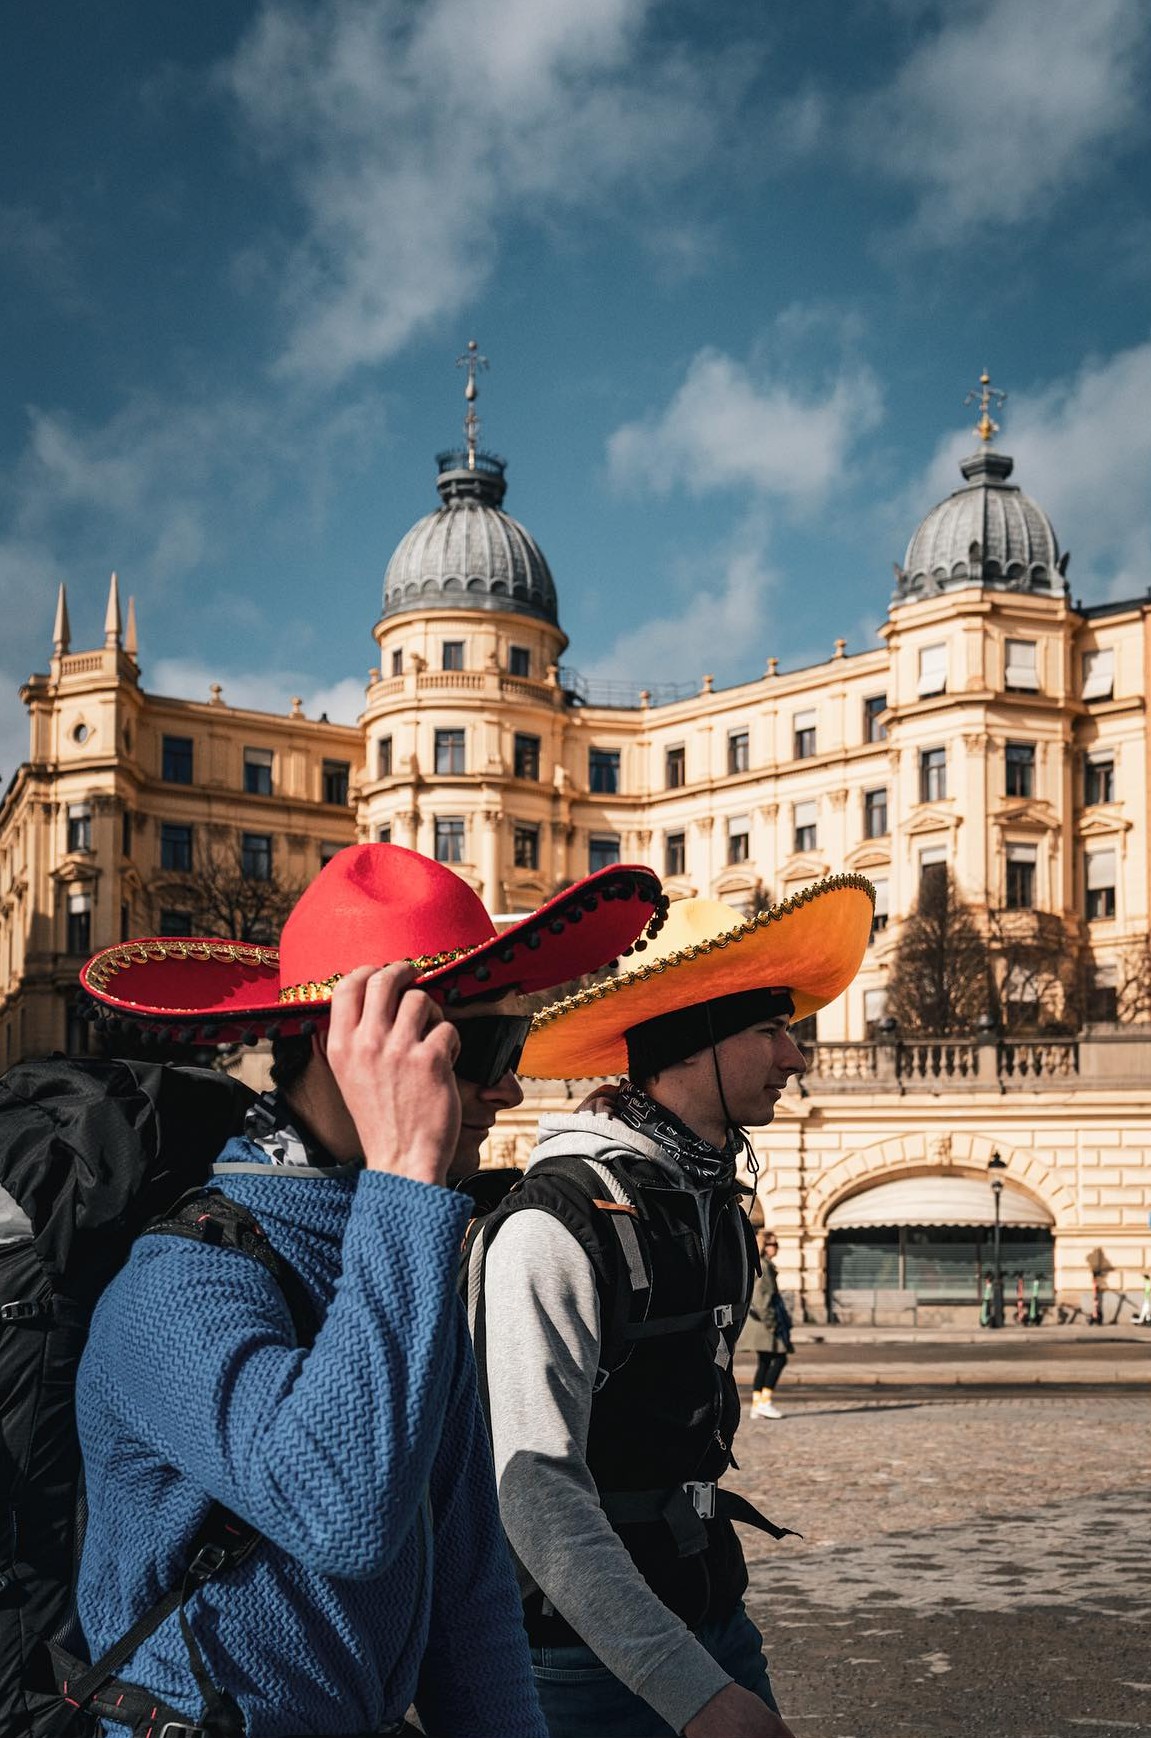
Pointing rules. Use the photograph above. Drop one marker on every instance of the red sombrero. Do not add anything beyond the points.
(371, 905)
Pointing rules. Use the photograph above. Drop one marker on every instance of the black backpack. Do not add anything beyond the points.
(92, 1154)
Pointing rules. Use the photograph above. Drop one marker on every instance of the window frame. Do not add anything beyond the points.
(169, 844)
(447, 744)
(526, 833)
(452, 655)
(933, 772)
(521, 655)
(450, 830)
(177, 755)
(675, 760)
(604, 771)
(256, 848)
(801, 843)
(675, 852)
(611, 841)
(738, 752)
(1019, 757)
(872, 810)
(258, 766)
(527, 755)
(873, 731)
(341, 772)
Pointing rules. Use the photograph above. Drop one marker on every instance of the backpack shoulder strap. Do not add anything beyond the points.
(207, 1216)
(588, 1197)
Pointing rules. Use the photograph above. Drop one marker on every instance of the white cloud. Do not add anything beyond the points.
(721, 616)
(411, 135)
(259, 690)
(726, 426)
(1008, 103)
(1082, 449)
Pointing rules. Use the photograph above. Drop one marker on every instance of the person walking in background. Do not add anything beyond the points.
(768, 1331)
(1144, 1315)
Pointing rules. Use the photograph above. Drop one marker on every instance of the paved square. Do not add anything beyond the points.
(970, 1568)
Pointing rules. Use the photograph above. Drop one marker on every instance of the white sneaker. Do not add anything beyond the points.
(766, 1409)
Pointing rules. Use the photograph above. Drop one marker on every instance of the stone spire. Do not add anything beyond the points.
(62, 628)
(473, 362)
(112, 623)
(131, 643)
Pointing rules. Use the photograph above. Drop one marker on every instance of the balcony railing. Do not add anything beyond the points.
(1094, 1059)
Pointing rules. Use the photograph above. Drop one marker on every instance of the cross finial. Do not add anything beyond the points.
(987, 396)
(473, 362)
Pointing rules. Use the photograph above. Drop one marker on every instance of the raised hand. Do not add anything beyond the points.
(391, 1052)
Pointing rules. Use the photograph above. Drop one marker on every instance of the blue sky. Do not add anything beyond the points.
(735, 268)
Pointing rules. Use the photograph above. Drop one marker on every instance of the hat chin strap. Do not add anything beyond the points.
(737, 1135)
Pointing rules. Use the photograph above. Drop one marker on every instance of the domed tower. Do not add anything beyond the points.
(463, 719)
(987, 533)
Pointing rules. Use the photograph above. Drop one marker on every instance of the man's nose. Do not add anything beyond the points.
(794, 1061)
(506, 1093)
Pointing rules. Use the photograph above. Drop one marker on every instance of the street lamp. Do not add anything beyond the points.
(994, 1167)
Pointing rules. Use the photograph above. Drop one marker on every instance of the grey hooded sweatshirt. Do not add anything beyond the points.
(542, 1351)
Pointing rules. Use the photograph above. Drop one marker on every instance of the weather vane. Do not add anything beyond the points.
(987, 395)
(473, 362)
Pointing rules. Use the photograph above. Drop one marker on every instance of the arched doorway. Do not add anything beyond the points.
(928, 1241)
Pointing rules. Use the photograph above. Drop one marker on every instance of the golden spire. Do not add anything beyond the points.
(987, 395)
(473, 362)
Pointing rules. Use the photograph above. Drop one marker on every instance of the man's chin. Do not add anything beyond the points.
(467, 1154)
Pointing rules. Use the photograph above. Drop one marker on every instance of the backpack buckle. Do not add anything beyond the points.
(181, 1729)
(25, 1310)
(702, 1497)
(209, 1560)
(723, 1315)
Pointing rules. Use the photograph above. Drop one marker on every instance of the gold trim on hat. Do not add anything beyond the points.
(321, 990)
(699, 950)
(141, 953)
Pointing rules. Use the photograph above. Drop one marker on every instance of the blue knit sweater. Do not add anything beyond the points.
(383, 1577)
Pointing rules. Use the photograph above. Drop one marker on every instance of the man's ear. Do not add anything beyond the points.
(320, 1043)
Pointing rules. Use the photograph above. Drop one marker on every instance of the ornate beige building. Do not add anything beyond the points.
(998, 728)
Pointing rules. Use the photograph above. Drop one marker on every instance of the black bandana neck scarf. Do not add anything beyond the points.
(706, 1166)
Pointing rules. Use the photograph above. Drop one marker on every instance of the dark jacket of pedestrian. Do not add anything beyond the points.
(768, 1327)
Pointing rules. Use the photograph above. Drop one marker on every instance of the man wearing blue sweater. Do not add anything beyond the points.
(381, 1578)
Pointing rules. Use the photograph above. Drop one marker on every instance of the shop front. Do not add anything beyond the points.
(922, 1248)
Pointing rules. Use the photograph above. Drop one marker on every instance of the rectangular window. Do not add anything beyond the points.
(882, 910)
(874, 1011)
(738, 751)
(805, 817)
(526, 847)
(932, 865)
(519, 661)
(1103, 995)
(335, 782)
(675, 853)
(603, 770)
(675, 768)
(449, 751)
(384, 834)
(739, 839)
(1021, 861)
(1100, 884)
(258, 772)
(329, 849)
(932, 670)
(1100, 781)
(453, 655)
(397, 663)
(875, 814)
(175, 848)
(256, 856)
(803, 734)
(1020, 769)
(932, 775)
(1021, 665)
(527, 756)
(602, 851)
(79, 827)
(175, 923)
(176, 764)
(873, 730)
(449, 839)
(384, 757)
(1099, 674)
(126, 832)
(79, 923)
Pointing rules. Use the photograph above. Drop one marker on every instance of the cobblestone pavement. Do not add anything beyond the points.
(971, 1568)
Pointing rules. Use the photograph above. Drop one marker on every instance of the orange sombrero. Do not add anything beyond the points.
(371, 905)
(812, 945)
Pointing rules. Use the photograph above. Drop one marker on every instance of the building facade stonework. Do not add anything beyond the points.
(998, 728)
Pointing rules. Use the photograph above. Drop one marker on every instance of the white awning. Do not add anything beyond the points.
(937, 1201)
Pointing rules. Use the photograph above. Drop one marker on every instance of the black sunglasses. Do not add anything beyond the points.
(490, 1044)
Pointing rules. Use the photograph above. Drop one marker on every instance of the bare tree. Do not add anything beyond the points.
(1133, 981)
(229, 895)
(1041, 971)
(941, 981)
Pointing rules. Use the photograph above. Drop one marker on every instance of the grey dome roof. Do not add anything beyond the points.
(470, 554)
(988, 533)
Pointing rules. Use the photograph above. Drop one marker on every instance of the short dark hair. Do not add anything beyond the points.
(290, 1059)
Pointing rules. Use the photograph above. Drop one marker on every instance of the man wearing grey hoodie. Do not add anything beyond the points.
(609, 1440)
